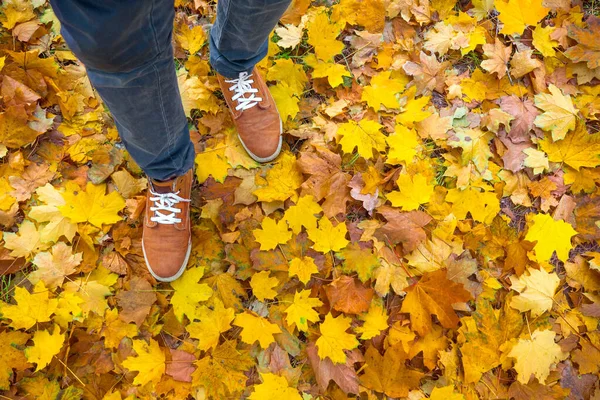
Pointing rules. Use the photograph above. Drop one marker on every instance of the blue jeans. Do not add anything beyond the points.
(126, 48)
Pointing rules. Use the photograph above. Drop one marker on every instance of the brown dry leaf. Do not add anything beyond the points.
(127, 185)
(524, 113)
(427, 74)
(403, 227)
(180, 367)
(327, 180)
(342, 374)
(33, 177)
(523, 63)
(588, 47)
(136, 301)
(434, 294)
(348, 295)
(498, 56)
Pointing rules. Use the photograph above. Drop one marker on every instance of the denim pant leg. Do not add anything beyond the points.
(240, 34)
(126, 48)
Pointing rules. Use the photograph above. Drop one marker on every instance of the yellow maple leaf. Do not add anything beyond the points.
(290, 73)
(256, 328)
(93, 205)
(543, 42)
(14, 130)
(578, 148)
(25, 242)
(286, 100)
(334, 339)
(274, 387)
(475, 147)
(482, 8)
(6, 200)
(375, 321)
(68, 309)
(262, 285)
(445, 393)
(414, 191)
(93, 290)
(81, 151)
(149, 362)
(328, 237)
(475, 37)
(235, 153)
(282, 180)
(54, 266)
(388, 373)
(559, 114)
(56, 225)
(195, 94)
(483, 206)
(322, 36)
(191, 39)
(334, 72)
(212, 324)
(303, 268)
(536, 289)
(45, 346)
(538, 160)
(364, 136)
(31, 308)
(303, 214)
(188, 293)
(221, 374)
(359, 260)
(11, 343)
(212, 162)
(227, 288)
(382, 90)
(551, 235)
(115, 329)
(301, 312)
(536, 355)
(516, 15)
(403, 145)
(272, 233)
(412, 111)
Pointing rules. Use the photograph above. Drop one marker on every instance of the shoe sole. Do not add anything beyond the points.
(179, 272)
(271, 157)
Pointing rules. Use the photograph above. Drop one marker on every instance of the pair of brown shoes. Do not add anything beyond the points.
(166, 239)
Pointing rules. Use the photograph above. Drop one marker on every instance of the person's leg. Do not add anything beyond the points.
(240, 34)
(238, 40)
(126, 48)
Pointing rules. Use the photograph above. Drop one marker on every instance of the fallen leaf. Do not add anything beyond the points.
(149, 363)
(348, 296)
(334, 339)
(433, 294)
(388, 373)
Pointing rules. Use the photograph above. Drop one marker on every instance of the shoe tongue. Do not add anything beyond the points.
(162, 187)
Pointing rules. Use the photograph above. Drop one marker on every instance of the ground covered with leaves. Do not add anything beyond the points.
(429, 231)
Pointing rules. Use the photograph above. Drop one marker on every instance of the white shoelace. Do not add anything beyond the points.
(241, 86)
(166, 202)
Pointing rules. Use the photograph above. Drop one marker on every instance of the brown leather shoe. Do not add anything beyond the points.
(166, 240)
(254, 113)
